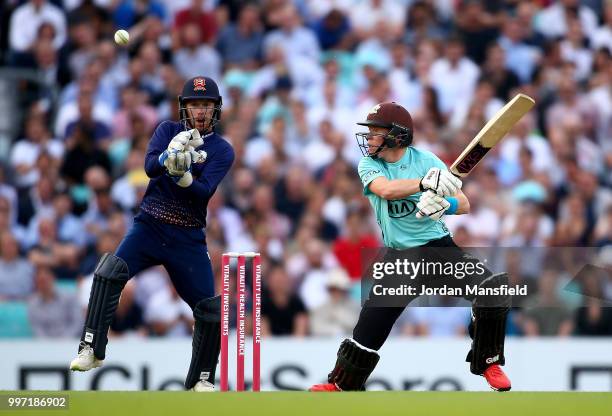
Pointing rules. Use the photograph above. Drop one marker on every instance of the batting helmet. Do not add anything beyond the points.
(392, 116)
(200, 88)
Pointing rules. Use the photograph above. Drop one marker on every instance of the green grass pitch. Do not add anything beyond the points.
(98, 403)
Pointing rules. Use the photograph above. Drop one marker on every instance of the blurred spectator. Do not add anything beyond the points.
(283, 313)
(16, 274)
(294, 39)
(49, 252)
(521, 58)
(99, 131)
(241, 43)
(356, 237)
(26, 20)
(133, 104)
(38, 200)
(10, 225)
(495, 70)
(333, 30)
(83, 43)
(25, 152)
(435, 321)
(101, 207)
(166, 314)
(318, 262)
(129, 12)
(422, 23)
(81, 154)
(339, 315)
(553, 20)
(70, 228)
(52, 313)
(195, 58)
(593, 318)
(205, 21)
(602, 36)
(454, 76)
(545, 313)
(367, 14)
(46, 59)
(477, 27)
(128, 317)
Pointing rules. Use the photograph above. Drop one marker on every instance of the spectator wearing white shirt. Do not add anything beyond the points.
(483, 224)
(552, 21)
(574, 49)
(295, 39)
(166, 314)
(338, 315)
(523, 134)
(602, 36)
(26, 151)
(521, 58)
(26, 20)
(454, 76)
(367, 14)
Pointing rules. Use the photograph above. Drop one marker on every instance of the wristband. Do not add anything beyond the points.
(454, 204)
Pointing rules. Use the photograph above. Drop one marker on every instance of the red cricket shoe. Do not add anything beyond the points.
(496, 378)
(327, 387)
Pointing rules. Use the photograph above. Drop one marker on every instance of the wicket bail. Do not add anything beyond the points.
(241, 297)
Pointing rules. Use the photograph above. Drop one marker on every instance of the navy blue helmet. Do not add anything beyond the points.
(200, 88)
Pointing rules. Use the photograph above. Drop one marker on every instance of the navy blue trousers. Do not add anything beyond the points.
(181, 250)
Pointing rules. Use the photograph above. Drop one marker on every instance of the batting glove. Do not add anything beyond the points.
(432, 205)
(442, 182)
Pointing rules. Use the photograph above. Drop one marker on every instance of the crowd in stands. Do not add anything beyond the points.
(295, 78)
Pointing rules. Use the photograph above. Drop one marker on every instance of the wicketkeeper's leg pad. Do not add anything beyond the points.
(488, 327)
(110, 277)
(353, 366)
(206, 343)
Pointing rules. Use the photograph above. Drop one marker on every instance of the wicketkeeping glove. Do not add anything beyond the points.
(177, 162)
(431, 205)
(442, 182)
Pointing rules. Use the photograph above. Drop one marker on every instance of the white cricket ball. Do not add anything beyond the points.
(122, 37)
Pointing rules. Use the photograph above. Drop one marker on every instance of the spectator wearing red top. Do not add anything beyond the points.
(195, 14)
(347, 248)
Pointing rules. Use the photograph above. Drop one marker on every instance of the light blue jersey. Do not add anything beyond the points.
(397, 219)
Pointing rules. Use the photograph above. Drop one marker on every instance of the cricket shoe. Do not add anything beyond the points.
(86, 360)
(496, 378)
(203, 386)
(327, 387)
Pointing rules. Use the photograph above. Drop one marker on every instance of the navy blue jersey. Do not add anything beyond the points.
(168, 202)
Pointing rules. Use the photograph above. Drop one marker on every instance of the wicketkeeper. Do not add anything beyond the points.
(186, 161)
(391, 170)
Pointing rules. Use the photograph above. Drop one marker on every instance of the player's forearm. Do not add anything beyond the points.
(152, 167)
(396, 188)
(464, 204)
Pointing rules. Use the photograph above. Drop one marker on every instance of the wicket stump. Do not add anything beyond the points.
(241, 297)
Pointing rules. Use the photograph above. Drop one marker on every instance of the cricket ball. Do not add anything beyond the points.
(122, 37)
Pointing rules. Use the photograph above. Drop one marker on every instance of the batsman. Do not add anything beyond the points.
(395, 174)
(185, 161)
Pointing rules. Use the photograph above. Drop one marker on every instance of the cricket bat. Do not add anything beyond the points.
(491, 134)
